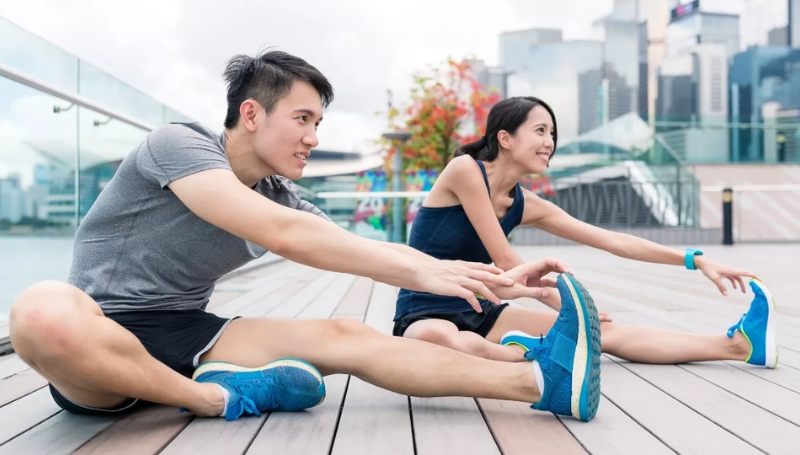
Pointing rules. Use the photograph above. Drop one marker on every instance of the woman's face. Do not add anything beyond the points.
(532, 145)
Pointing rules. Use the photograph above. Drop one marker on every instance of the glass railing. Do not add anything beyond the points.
(55, 156)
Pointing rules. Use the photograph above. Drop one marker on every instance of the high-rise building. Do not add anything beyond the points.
(493, 78)
(620, 33)
(654, 18)
(694, 23)
(12, 199)
(604, 96)
(763, 80)
(515, 46)
(555, 78)
(794, 23)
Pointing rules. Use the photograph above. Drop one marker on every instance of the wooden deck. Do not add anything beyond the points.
(720, 407)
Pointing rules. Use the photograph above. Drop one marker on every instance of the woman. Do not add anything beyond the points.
(473, 207)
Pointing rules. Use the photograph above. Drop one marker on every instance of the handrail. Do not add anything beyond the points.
(46, 87)
(746, 188)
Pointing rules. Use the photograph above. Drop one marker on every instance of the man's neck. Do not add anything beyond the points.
(246, 165)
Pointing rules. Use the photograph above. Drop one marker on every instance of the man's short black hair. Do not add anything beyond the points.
(267, 78)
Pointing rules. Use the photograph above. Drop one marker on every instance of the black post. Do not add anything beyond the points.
(727, 216)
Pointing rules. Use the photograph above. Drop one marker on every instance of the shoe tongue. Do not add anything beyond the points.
(736, 326)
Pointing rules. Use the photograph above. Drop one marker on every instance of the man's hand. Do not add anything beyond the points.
(530, 279)
(462, 279)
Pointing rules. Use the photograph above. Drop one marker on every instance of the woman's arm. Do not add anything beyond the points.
(548, 217)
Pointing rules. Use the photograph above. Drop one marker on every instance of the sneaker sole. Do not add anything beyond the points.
(586, 363)
(285, 362)
(771, 348)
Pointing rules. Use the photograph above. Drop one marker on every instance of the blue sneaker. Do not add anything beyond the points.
(281, 385)
(758, 327)
(569, 356)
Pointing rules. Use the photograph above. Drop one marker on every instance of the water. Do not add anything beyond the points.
(26, 260)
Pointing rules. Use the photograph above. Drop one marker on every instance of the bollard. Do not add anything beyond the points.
(727, 216)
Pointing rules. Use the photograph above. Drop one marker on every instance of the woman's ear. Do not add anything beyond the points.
(504, 139)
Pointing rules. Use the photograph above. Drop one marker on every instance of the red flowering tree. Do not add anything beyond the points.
(448, 108)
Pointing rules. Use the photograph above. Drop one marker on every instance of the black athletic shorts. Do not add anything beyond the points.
(466, 321)
(175, 338)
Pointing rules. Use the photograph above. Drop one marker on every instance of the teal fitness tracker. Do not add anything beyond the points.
(689, 258)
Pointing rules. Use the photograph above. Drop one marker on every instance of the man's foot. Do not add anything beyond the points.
(281, 385)
(569, 356)
(758, 327)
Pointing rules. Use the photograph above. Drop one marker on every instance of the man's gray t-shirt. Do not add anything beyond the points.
(140, 248)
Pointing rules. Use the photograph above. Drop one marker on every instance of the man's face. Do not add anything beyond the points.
(284, 138)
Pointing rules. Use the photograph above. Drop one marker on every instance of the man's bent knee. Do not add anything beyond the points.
(42, 318)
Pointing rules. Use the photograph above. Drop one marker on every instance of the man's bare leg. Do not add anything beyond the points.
(62, 334)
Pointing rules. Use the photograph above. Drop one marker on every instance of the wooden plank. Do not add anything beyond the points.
(268, 302)
(297, 302)
(61, 434)
(614, 432)
(234, 306)
(764, 394)
(262, 290)
(517, 429)
(247, 281)
(19, 385)
(677, 425)
(216, 435)
(381, 308)
(290, 290)
(303, 433)
(17, 417)
(355, 302)
(10, 365)
(375, 420)
(324, 305)
(220, 297)
(783, 376)
(145, 431)
(760, 428)
(788, 357)
(452, 425)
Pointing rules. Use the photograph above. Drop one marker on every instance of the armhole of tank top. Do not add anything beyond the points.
(520, 202)
(485, 177)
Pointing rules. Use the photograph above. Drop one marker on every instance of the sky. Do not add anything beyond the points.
(176, 50)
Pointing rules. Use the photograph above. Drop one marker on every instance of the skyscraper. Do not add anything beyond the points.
(515, 46)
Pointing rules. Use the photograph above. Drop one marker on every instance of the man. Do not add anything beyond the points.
(187, 206)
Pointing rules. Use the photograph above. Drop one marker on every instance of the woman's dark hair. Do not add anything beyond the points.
(267, 78)
(506, 115)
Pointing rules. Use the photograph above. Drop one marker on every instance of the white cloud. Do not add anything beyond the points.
(176, 50)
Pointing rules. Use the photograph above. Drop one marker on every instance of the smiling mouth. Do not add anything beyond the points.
(544, 155)
(300, 156)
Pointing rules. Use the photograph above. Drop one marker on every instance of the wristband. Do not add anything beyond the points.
(689, 258)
